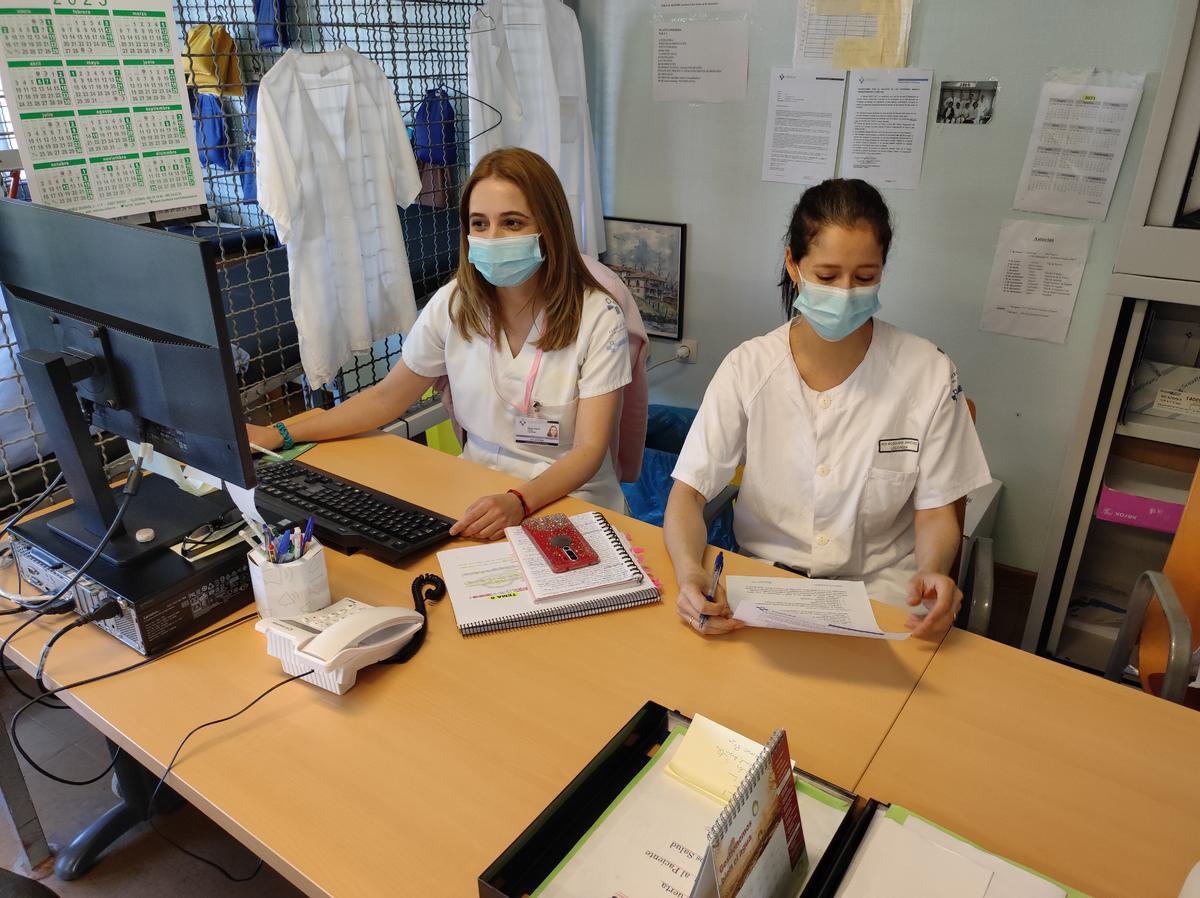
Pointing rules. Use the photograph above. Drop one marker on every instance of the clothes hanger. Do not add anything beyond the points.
(457, 92)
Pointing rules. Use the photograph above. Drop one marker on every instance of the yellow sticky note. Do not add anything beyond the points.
(841, 7)
(856, 53)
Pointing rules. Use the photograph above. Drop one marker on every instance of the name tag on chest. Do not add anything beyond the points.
(542, 431)
(907, 444)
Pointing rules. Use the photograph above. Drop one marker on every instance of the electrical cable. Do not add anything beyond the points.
(55, 605)
(54, 484)
(104, 611)
(162, 779)
(12, 724)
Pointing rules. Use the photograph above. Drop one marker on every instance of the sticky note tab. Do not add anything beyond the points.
(842, 7)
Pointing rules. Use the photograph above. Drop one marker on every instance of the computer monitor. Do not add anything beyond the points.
(121, 328)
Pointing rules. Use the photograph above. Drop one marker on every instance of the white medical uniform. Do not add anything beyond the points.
(525, 61)
(334, 161)
(833, 479)
(489, 386)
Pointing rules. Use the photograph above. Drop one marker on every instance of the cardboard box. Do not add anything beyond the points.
(1143, 495)
(1166, 391)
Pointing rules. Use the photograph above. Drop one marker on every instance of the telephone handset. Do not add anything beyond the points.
(339, 640)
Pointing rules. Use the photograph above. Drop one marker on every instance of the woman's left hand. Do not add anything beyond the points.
(486, 518)
(943, 599)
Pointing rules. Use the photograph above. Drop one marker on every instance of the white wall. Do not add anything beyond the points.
(701, 164)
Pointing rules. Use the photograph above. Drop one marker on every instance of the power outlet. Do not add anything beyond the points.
(693, 348)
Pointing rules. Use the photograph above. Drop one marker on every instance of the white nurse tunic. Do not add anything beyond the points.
(489, 386)
(833, 479)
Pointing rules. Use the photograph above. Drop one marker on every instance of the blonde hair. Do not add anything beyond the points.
(474, 306)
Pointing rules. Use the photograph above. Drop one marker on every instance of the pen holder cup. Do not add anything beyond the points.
(292, 588)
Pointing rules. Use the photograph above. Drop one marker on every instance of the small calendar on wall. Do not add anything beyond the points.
(96, 94)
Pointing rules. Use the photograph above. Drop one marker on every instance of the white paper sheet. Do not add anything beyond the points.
(244, 499)
(843, 34)
(1075, 151)
(701, 61)
(1008, 880)
(804, 117)
(1035, 279)
(837, 607)
(98, 105)
(893, 862)
(884, 140)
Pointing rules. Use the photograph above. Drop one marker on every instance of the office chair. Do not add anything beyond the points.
(1165, 632)
(974, 563)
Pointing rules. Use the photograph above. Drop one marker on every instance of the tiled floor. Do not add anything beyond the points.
(141, 863)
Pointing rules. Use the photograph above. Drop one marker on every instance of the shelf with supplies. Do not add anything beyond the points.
(1160, 430)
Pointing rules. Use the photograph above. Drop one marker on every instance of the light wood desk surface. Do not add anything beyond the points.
(416, 779)
(1092, 783)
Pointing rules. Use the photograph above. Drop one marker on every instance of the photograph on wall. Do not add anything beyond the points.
(966, 102)
(649, 257)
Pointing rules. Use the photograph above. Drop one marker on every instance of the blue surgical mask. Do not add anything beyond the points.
(836, 312)
(506, 261)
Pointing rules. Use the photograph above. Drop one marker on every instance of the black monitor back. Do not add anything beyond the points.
(154, 298)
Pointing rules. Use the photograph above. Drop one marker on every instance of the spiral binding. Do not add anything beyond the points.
(737, 801)
(619, 545)
(598, 605)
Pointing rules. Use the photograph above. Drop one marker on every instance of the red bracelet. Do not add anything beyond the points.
(524, 505)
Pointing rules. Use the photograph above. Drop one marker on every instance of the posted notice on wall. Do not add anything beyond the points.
(701, 61)
(1075, 152)
(884, 140)
(98, 106)
(852, 34)
(1035, 279)
(804, 118)
(695, 6)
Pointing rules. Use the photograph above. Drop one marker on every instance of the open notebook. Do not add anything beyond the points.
(489, 592)
(615, 568)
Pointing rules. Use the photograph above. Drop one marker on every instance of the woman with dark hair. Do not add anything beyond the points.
(534, 349)
(854, 434)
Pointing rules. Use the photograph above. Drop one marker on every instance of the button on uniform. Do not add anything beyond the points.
(825, 402)
(822, 539)
(823, 470)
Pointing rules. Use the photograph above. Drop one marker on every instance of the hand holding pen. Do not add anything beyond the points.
(701, 602)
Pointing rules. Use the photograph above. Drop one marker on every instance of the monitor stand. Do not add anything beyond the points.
(159, 515)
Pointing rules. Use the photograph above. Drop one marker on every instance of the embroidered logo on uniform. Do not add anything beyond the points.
(955, 386)
(900, 445)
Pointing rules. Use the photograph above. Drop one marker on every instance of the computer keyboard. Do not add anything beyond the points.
(347, 515)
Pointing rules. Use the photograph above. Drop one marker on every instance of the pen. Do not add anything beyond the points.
(718, 567)
(274, 456)
(281, 549)
(308, 531)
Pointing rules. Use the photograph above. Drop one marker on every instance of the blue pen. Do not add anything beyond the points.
(281, 550)
(718, 567)
(308, 529)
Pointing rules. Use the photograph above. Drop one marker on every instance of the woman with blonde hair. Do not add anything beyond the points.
(535, 351)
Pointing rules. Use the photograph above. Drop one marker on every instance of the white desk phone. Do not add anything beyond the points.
(339, 640)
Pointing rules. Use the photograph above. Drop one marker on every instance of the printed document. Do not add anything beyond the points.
(885, 126)
(1075, 151)
(852, 34)
(701, 61)
(1035, 279)
(804, 118)
(837, 607)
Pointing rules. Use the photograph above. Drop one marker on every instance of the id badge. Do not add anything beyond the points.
(541, 431)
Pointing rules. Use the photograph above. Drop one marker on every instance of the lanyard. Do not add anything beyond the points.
(527, 406)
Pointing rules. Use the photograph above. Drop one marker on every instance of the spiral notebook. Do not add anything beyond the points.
(615, 568)
(756, 846)
(489, 592)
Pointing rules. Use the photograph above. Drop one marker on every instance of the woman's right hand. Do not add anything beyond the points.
(267, 437)
(692, 603)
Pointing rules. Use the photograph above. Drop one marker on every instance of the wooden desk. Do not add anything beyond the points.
(1092, 783)
(415, 780)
